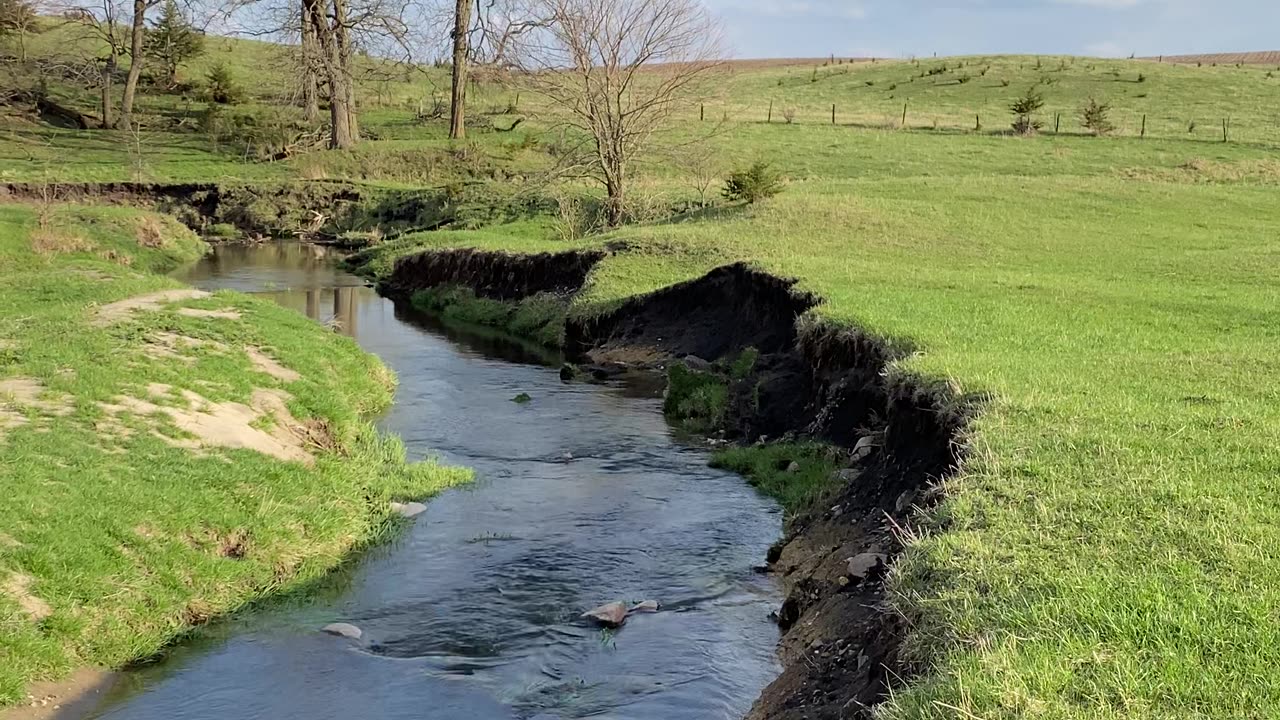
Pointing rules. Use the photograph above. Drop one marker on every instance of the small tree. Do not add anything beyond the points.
(172, 41)
(221, 87)
(17, 20)
(1023, 110)
(620, 71)
(1096, 117)
(758, 182)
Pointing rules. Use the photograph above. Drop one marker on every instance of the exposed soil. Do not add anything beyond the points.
(841, 637)
(122, 309)
(225, 424)
(495, 275)
(72, 697)
(317, 211)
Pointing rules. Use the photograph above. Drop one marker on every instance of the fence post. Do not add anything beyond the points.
(833, 113)
(977, 123)
(1057, 122)
(770, 119)
(904, 116)
(1226, 126)
(702, 112)
(1144, 125)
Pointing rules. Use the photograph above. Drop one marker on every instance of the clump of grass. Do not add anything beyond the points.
(695, 399)
(769, 469)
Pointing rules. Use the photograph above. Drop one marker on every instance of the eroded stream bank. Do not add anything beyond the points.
(473, 614)
(898, 435)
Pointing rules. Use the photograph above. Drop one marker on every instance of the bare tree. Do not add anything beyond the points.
(18, 18)
(137, 35)
(461, 57)
(330, 23)
(620, 70)
(101, 21)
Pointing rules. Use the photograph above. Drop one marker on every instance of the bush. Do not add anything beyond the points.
(1023, 109)
(1096, 117)
(221, 87)
(789, 114)
(756, 183)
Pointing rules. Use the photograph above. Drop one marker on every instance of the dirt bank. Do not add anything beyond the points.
(900, 435)
(493, 275)
(319, 211)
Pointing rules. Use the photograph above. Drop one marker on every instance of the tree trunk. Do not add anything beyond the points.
(615, 203)
(457, 108)
(310, 84)
(135, 62)
(343, 43)
(340, 135)
(108, 74)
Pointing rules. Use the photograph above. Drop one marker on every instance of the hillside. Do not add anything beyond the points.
(1106, 550)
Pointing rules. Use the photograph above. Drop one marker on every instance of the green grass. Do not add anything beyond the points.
(124, 535)
(768, 469)
(1106, 552)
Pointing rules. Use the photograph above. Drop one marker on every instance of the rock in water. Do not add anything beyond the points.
(610, 616)
(648, 606)
(345, 630)
(408, 509)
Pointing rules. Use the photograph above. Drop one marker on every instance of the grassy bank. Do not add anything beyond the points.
(1103, 554)
(167, 463)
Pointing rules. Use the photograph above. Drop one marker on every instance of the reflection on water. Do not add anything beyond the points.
(581, 497)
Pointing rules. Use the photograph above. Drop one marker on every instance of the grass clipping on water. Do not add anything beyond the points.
(123, 528)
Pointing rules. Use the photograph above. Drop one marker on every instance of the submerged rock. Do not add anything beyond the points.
(611, 615)
(568, 372)
(648, 606)
(408, 509)
(521, 399)
(346, 630)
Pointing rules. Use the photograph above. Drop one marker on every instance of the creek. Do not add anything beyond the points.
(584, 495)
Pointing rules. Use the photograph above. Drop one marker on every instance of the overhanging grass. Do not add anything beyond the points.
(123, 534)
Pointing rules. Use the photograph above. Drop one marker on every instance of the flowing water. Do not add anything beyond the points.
(472, 614)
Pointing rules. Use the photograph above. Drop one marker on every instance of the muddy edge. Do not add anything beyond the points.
(899, 436)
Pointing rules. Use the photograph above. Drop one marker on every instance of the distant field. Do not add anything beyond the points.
(1265, 57)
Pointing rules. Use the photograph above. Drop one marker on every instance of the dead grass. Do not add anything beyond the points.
(150, 232)
(48, 242)
(1263, 171)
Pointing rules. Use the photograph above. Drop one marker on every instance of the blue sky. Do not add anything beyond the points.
(897, 28)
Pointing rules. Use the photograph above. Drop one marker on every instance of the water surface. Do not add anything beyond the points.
(472, 614)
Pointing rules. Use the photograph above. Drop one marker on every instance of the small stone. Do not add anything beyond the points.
(567, 457)
(408, 510)
(345, 630)
(844, 580)
(865, 447)
(521, 399)
(862, 565)
(904, 501)
(611, 615)
(846, 475)
(693, 362)
(648, 606)
(794, 467)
